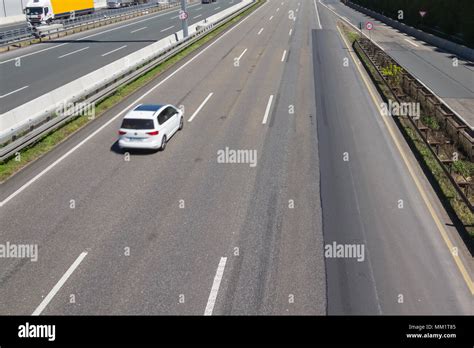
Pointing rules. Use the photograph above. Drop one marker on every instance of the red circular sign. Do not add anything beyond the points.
(369, 26)
(183, 15)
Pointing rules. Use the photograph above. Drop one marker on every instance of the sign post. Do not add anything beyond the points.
(422, 14)
(369, 26)
(183, 15)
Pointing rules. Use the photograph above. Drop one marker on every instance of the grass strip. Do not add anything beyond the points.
(442, 185)
(56, 137)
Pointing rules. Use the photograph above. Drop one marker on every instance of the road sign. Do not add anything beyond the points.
(183, 15)
(423, 14)
(369, 26)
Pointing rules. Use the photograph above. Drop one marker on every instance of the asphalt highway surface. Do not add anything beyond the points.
(180, 232)
(453, 83)
(34, 71)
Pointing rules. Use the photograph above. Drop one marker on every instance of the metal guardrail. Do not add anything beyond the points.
(14, 36)
(52, 122)
(378, 60)
(444, 42)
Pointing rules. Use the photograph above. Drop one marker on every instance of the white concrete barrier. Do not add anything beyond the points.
(32, 112)
(72, 91)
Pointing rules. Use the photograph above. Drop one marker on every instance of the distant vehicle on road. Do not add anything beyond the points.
(207, 1)
(150, 126)
(123, 3)
(119, 3)
(45, 11)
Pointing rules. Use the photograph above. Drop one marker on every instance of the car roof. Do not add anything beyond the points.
(149, 107)
(146, 111)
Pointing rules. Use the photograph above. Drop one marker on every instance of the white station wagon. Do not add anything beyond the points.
(150, 126)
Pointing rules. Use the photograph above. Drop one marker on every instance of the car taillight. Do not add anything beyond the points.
(122, 132)
(153, 133)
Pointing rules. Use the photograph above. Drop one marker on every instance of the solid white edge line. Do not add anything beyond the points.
(317, 14)
(76, 51)
(96, 34)
(215, 287)
(267, 110)
(59, 284)
(200, 107)
(283, 56)
(60, 159)
(16, 90)
(242, 54)
(33, 53)
(113, 51)
(352, 25)
(379, 46)
(424, 194)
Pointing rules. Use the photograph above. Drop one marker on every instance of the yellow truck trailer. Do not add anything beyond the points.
(45, 11)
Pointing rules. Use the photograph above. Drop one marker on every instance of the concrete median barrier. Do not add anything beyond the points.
(21, 121)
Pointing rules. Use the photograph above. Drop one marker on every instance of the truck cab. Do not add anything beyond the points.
(38, 12)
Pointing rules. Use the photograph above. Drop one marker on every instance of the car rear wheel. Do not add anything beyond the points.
(163, 143)
(181, 123)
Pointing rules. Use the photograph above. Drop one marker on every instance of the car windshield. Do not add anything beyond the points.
(34, 10)
(137, 123)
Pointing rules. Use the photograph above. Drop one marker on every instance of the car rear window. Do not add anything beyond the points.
(137, 123)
